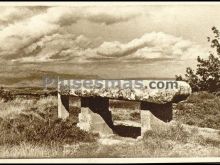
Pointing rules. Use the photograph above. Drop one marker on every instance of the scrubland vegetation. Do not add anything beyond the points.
(201, 109)
(30, 128)
(32, 124)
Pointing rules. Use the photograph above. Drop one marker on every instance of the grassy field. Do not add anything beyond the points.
(30, 129)
(171, 144)
(201, 109)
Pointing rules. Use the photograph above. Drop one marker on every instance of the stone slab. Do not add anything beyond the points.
(170, 93)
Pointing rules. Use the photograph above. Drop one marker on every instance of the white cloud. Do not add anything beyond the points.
(72, 48)
(153, 45)
(106, 15)
(58, 47)
(111, 15)
(38, 37)
(19, 35)
(11, 14)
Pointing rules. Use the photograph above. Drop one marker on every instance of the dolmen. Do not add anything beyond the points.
(93, 98)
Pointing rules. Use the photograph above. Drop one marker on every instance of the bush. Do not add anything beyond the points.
(5, 95)
(41, 126)
(207, 75)
(25, 129)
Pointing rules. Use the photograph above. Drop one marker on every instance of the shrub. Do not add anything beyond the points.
(207, 75)
(32, 130)
(40, 125)
(5, 95)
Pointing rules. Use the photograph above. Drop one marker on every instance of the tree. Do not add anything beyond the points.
(207, 74)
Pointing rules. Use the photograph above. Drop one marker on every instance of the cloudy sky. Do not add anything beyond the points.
(111, 41)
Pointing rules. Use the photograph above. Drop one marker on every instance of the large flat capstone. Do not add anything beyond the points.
(154, 100)
(154, 91)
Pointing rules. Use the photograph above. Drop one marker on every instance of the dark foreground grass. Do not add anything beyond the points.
(30, 129)
(201, 109)
(24, 129)
(38, 124)
(171, 143)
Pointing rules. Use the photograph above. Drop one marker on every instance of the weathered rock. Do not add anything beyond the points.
(93, 122)
(127, 123)
(150, 122)
(179, 90)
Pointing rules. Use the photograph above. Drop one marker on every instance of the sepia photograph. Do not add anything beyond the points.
(121, 81)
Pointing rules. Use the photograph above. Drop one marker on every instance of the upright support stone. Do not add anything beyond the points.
(74, 101)
(155, 116)
(63, 106)
(95, 115)
(74, 107)
(99, 105)
(161, 111)
(93, 122)
(145, 121)
(85, 119)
